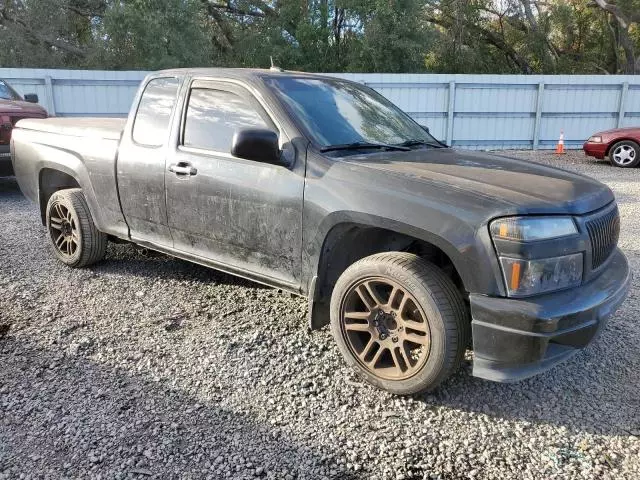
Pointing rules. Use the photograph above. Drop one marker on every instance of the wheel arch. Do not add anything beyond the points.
(51, 180)
(351, 239)
(617, 140)
(63, 169)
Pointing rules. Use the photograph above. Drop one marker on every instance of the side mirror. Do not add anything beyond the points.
(256, 144)
(31, 98)
(425, 128)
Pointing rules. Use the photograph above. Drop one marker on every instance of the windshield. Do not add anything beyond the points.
(8, 93)
(335, 112)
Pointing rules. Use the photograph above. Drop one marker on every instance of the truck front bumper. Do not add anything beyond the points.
(517, 338)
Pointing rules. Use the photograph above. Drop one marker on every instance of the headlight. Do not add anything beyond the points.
(531, 277)
(595, 139)
(526, 277)
(527, 229)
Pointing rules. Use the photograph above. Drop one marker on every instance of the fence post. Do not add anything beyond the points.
(450, 112)
(623, 100)
(48, 92)
(536, 125)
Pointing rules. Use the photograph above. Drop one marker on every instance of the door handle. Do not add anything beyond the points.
(183, 169)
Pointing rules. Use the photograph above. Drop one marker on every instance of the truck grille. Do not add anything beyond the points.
(603, 233)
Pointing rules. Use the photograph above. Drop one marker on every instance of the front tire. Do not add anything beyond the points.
(399, 322)
(625, 154)
(75, 239)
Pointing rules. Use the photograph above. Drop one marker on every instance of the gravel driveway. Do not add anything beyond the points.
(150, 367)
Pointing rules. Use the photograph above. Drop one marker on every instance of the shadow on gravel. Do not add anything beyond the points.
(596, 392)
(125, 259)
(71, 417)
(8, 185)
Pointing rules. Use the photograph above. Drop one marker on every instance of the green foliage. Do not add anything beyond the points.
(394, 36)
(43, 33)
(453, 36)
(153, 34)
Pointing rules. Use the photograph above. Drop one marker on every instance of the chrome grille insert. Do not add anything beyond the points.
(603, 233)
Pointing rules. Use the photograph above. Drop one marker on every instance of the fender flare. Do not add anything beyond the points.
(76, 169)
(313, 269)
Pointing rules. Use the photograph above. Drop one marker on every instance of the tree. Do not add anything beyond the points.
(327, 35)
(625, 20)
(153, 35)
(44, 33)
(454, 36)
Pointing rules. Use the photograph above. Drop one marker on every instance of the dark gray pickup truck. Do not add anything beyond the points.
(411, 251)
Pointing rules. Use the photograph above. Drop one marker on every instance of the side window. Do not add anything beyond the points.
(8, 93)
(151, 124)
(213, 116)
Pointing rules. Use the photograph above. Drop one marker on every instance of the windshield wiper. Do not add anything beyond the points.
(359, 145)
(410, 143)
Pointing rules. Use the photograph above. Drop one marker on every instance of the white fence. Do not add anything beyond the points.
(77, 93)
(467, 111)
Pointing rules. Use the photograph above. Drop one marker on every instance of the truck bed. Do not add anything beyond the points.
(105, 128)
(83, 150)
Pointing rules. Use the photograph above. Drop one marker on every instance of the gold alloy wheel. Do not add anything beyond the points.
(385, 328)
(63, 230)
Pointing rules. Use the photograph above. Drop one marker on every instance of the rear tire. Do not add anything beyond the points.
(625, 154)
(74, 237)
(400, 322)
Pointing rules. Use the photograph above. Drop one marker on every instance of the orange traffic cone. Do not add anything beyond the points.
(560, 145)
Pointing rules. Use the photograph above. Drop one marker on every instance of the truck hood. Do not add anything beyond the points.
(521, 187)
(21, 108)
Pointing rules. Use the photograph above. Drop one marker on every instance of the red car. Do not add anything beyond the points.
(621, 145)
(13, 108)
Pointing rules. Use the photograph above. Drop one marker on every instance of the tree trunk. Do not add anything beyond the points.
(624, 24)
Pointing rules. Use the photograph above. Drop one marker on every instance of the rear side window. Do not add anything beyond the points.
(213, 116)
(151, 124)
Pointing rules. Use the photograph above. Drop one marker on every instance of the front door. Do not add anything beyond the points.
(234, 212)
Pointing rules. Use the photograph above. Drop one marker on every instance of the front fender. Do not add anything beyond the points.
(471, 251)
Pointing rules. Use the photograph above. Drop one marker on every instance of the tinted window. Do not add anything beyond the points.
(8, 93)
(213, 116)
(334, 112)
(151, 125)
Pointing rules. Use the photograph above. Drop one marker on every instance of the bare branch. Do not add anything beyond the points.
(51, 42)
(623, 19)
(623, 32)
(491, 38)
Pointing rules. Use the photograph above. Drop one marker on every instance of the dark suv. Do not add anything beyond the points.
(13, 108)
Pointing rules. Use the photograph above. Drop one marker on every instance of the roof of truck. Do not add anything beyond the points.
(238, 73)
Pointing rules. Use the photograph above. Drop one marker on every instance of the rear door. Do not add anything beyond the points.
(234, 212)
(141, 162)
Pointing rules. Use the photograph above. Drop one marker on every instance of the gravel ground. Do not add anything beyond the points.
(156, 368)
